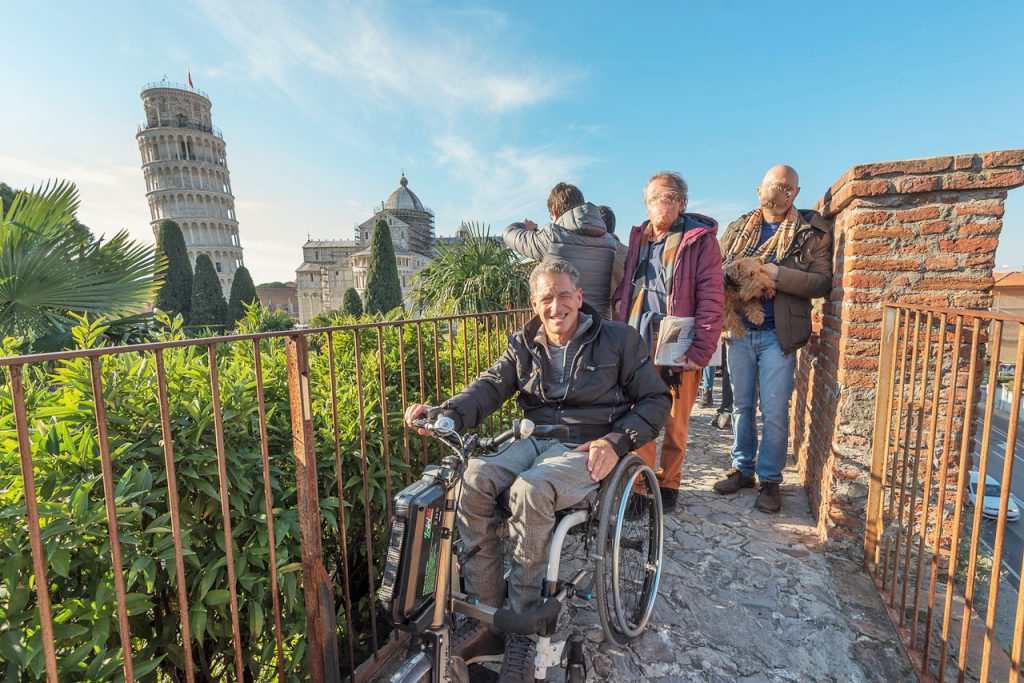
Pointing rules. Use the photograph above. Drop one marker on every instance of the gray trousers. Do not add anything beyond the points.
(541, 477)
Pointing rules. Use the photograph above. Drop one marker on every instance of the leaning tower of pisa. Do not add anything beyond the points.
(186, 172)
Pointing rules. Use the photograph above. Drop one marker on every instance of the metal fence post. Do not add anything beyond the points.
(321, 625)
(880, 436)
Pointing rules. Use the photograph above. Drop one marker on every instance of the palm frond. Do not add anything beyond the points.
(48, 272)
(474, 275)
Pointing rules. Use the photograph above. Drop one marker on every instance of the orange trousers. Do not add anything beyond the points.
(673, 448)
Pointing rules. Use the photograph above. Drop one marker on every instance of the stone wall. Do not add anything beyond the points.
(921, 231)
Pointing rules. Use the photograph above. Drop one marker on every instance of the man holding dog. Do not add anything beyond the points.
(795, 248)
(569, 367)
(673, 267)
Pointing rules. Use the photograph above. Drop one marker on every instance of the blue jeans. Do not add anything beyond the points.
(756, 362)
(707, 377)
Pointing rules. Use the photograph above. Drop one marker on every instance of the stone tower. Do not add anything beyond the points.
(186, 172)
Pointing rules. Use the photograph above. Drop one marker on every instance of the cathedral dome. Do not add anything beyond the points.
(404, 198)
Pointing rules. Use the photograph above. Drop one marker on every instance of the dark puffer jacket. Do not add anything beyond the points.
(614, 390)
(579, 237)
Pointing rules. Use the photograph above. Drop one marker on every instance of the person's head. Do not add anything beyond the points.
(778, 189)
(564, 197)
(665, 196)
(556, 297)
(609, 218)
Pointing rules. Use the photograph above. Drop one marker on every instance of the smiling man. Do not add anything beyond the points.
(572, 368)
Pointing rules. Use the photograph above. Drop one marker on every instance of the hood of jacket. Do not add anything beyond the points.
(585, 219)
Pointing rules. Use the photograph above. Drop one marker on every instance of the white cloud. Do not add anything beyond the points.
(503, 186)
(426, 59)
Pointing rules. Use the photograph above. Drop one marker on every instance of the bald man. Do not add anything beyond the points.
(795, 248)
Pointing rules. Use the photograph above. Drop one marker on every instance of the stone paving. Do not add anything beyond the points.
(745, 596)
(748, 596)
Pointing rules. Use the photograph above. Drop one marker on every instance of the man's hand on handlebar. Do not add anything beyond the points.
(416, 411)
(602, 458)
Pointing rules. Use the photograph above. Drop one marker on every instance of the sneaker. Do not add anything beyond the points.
(475, 642)
(669, 499)
(704, 398)
(770, 497)
(734, 481)
(517, 666)
(722, 421)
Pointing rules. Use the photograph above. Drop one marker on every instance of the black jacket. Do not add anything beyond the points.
(614, 390)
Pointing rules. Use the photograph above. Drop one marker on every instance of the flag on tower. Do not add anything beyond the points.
(190, 79)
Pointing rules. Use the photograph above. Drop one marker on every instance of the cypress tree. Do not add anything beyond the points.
(352, 304)
(175, 296)
(243, 291)
(383, 288)
(208, 306)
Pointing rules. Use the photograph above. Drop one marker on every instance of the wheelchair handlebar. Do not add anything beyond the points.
(442, 427)
(521, 429)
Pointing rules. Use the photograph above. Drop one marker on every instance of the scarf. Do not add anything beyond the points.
(668, 261)
(775, 248)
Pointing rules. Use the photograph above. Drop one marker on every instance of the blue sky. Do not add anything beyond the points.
(486, 106)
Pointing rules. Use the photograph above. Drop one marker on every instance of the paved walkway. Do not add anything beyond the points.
(745, 596)
(748, 596)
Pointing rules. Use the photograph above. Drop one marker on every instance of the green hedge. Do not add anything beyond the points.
(65, 451)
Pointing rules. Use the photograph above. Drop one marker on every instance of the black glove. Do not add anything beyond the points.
(671, 378)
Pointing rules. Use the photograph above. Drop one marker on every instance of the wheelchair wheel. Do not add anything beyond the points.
(628, 549)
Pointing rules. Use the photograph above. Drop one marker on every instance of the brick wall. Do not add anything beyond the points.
(920, 231)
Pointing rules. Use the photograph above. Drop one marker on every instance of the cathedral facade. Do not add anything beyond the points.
(330, 267)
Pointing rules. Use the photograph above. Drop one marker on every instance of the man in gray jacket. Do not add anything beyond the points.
(566, 367)
(576, 234)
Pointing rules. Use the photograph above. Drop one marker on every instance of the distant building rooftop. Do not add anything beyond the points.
(1009, 279)
(331, 243)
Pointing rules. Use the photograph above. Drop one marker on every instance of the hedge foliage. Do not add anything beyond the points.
(65, 451)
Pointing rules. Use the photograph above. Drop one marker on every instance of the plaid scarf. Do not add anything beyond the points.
(775, 248)
(668, 262)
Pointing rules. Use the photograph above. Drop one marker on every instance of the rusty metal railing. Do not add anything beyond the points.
(946, 565)
(317, 415)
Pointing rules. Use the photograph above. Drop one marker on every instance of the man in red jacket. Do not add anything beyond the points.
(673, 267)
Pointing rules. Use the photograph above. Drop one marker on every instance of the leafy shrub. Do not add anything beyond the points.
(65, 449)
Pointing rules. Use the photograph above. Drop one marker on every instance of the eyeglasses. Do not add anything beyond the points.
(663, 198)
(785, 188)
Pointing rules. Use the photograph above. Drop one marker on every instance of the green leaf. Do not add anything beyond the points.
(12, 648)
(217, 597)
(80, 500)
(137, 603)
(255, 620)
(146, 667)
(60, 560)
(197, 619)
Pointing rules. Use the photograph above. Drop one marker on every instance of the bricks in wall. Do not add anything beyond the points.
(918, 231)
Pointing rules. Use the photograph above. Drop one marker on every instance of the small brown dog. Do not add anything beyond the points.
(751, 283)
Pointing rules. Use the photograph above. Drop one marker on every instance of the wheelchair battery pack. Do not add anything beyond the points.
(410, 574)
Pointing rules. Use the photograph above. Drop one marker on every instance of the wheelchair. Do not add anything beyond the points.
(622, 529)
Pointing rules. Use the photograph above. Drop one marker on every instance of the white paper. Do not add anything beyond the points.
(674, 338)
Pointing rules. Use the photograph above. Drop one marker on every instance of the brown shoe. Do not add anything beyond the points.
(734, 481)
(769, 499)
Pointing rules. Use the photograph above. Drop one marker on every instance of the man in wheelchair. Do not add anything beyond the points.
(570, 368)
